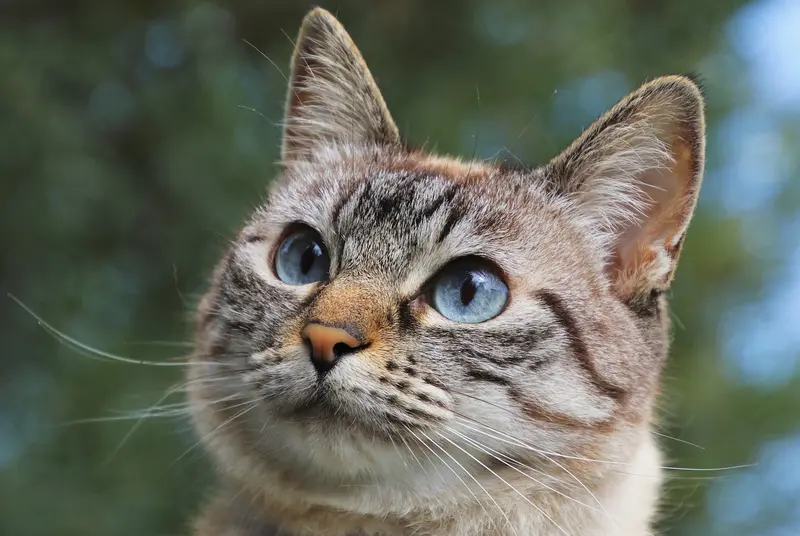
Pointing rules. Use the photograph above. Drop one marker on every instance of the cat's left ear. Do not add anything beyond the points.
(332, 98)
(634, 177)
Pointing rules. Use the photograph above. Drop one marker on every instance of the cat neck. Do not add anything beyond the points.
(622, 503)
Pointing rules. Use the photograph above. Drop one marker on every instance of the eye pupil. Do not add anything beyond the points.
(308, 257)
(301, 258)
(468, 290)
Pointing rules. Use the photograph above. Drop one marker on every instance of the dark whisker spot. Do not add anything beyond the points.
(422, 397)
(430, 380)
(402, 385)
(410, 371)
(394, 419)
(486, 376)
(420, 414)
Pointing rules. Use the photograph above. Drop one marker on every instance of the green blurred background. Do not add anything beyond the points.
(130, 153)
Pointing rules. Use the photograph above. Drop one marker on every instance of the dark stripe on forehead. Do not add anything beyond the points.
(577, 344)
(376, 198)
(445, 198)
(345, 197)
(453, 217)
(400, 193)
(362, 193)
(388, 202)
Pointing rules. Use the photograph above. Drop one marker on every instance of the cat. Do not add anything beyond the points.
(403, 343)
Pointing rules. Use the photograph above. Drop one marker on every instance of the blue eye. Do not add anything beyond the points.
(469, 291)
(302, 259)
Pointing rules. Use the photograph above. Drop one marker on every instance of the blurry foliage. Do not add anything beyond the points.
(137, 135)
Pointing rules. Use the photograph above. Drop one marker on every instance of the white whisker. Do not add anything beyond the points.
(455, 473)
(575, 478)
(499, 456)
(516, 442)
(252, 405)
(87, 350)
(430, 461)
(410, 450)
(491, 498)
(504, 481)
(677, 439)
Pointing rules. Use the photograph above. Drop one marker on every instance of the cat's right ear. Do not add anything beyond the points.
(635, 175)
(332, 98)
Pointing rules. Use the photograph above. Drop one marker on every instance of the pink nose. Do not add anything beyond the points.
(328, 344)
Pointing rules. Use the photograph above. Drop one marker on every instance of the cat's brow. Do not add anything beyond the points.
(455, 215)
(444, 198)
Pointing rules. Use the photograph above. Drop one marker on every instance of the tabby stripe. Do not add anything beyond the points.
(254, 238)
(453, 218)
(577, 345)
(387, 202)
(486, 376)
(385, 207)
(646, 307)
(518, 347)
(345, 199)
(509, 359)
(406, 321)
(539, 413)
(447, 196)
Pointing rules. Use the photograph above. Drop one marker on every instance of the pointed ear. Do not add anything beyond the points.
(332, 96)
(634, 177)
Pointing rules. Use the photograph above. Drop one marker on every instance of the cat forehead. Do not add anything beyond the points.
(398, 213)
(419, 197)
(401, 189)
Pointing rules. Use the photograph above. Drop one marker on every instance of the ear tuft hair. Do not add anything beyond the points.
(332, 97)
(633, 178)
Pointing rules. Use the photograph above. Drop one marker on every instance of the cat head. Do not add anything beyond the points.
(388, 314)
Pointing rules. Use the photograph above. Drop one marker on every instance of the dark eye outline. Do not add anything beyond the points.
(468, 262)
(291, 229)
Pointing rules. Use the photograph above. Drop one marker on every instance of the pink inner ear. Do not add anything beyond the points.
(640, 244)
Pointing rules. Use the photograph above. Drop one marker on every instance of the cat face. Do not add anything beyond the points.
(388, 315)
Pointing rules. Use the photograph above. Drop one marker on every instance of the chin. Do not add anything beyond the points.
(313, 443)
(329, 465)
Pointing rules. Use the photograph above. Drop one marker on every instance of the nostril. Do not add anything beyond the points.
(328, 344)
(341, 348)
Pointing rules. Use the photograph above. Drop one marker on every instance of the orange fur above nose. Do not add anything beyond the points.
(359, 309)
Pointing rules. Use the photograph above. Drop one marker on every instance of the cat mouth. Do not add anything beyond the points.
(323, 404)
(317, 404)
(355, 412)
